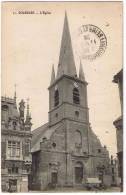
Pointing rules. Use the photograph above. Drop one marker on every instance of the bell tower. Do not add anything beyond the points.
(67, 92)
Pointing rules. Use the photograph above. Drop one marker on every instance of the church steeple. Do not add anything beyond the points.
(81, 73)
(53, 75)
(66, 64)
(67, 92)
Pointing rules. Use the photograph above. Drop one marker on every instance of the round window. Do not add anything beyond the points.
(54, 145)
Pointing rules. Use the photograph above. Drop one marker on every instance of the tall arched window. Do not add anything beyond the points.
(78, 139)
(76, 96)
(56, 98)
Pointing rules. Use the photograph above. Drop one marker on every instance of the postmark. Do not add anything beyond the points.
(91, 42)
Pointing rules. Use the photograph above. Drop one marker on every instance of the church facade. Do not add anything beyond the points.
(65, 151)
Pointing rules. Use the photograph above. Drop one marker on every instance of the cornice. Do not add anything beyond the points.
(75, 105)
(15, 133)
(69, 77)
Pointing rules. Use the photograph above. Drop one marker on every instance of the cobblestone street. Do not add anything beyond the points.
(58, 190)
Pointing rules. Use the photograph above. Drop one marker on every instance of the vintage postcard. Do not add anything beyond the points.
(61, 104)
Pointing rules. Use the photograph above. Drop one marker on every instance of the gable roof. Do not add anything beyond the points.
(38, 132)
(42, 132)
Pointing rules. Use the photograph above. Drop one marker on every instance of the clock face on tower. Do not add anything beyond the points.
(75, 84)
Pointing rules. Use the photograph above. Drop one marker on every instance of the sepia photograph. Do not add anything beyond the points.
(62, 96)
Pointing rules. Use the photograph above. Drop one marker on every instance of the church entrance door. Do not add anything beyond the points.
(78, 173)
(54, 178)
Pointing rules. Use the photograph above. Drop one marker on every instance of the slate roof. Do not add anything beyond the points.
(11, 107)
(37, 134)
(41, 132)
(66, 59)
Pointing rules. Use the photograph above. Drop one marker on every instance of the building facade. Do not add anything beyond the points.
(114, 171)
(66, 151)
(118, 123)
(15, 146)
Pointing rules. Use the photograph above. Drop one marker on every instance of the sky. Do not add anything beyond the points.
(31, 45)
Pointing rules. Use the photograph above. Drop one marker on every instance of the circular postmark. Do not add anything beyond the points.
(91, 42)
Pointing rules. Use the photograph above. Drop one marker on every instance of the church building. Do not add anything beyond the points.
(65, 150)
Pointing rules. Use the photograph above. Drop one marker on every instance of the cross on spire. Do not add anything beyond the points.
(15, 95)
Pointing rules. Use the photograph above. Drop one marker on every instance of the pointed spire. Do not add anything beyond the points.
(15, 95)
(28, 123)
(66, 64)
(27, 115)
(53, 75)
(81, 72)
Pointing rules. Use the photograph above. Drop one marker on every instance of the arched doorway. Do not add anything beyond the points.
(78, 173)
(54, 177)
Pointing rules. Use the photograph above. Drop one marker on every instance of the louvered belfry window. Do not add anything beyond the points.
(76, 96)
(56, 98)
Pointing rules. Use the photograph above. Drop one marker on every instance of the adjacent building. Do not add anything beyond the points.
(114, 171)
(65, 150)
(15, 145)
(118, 123)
